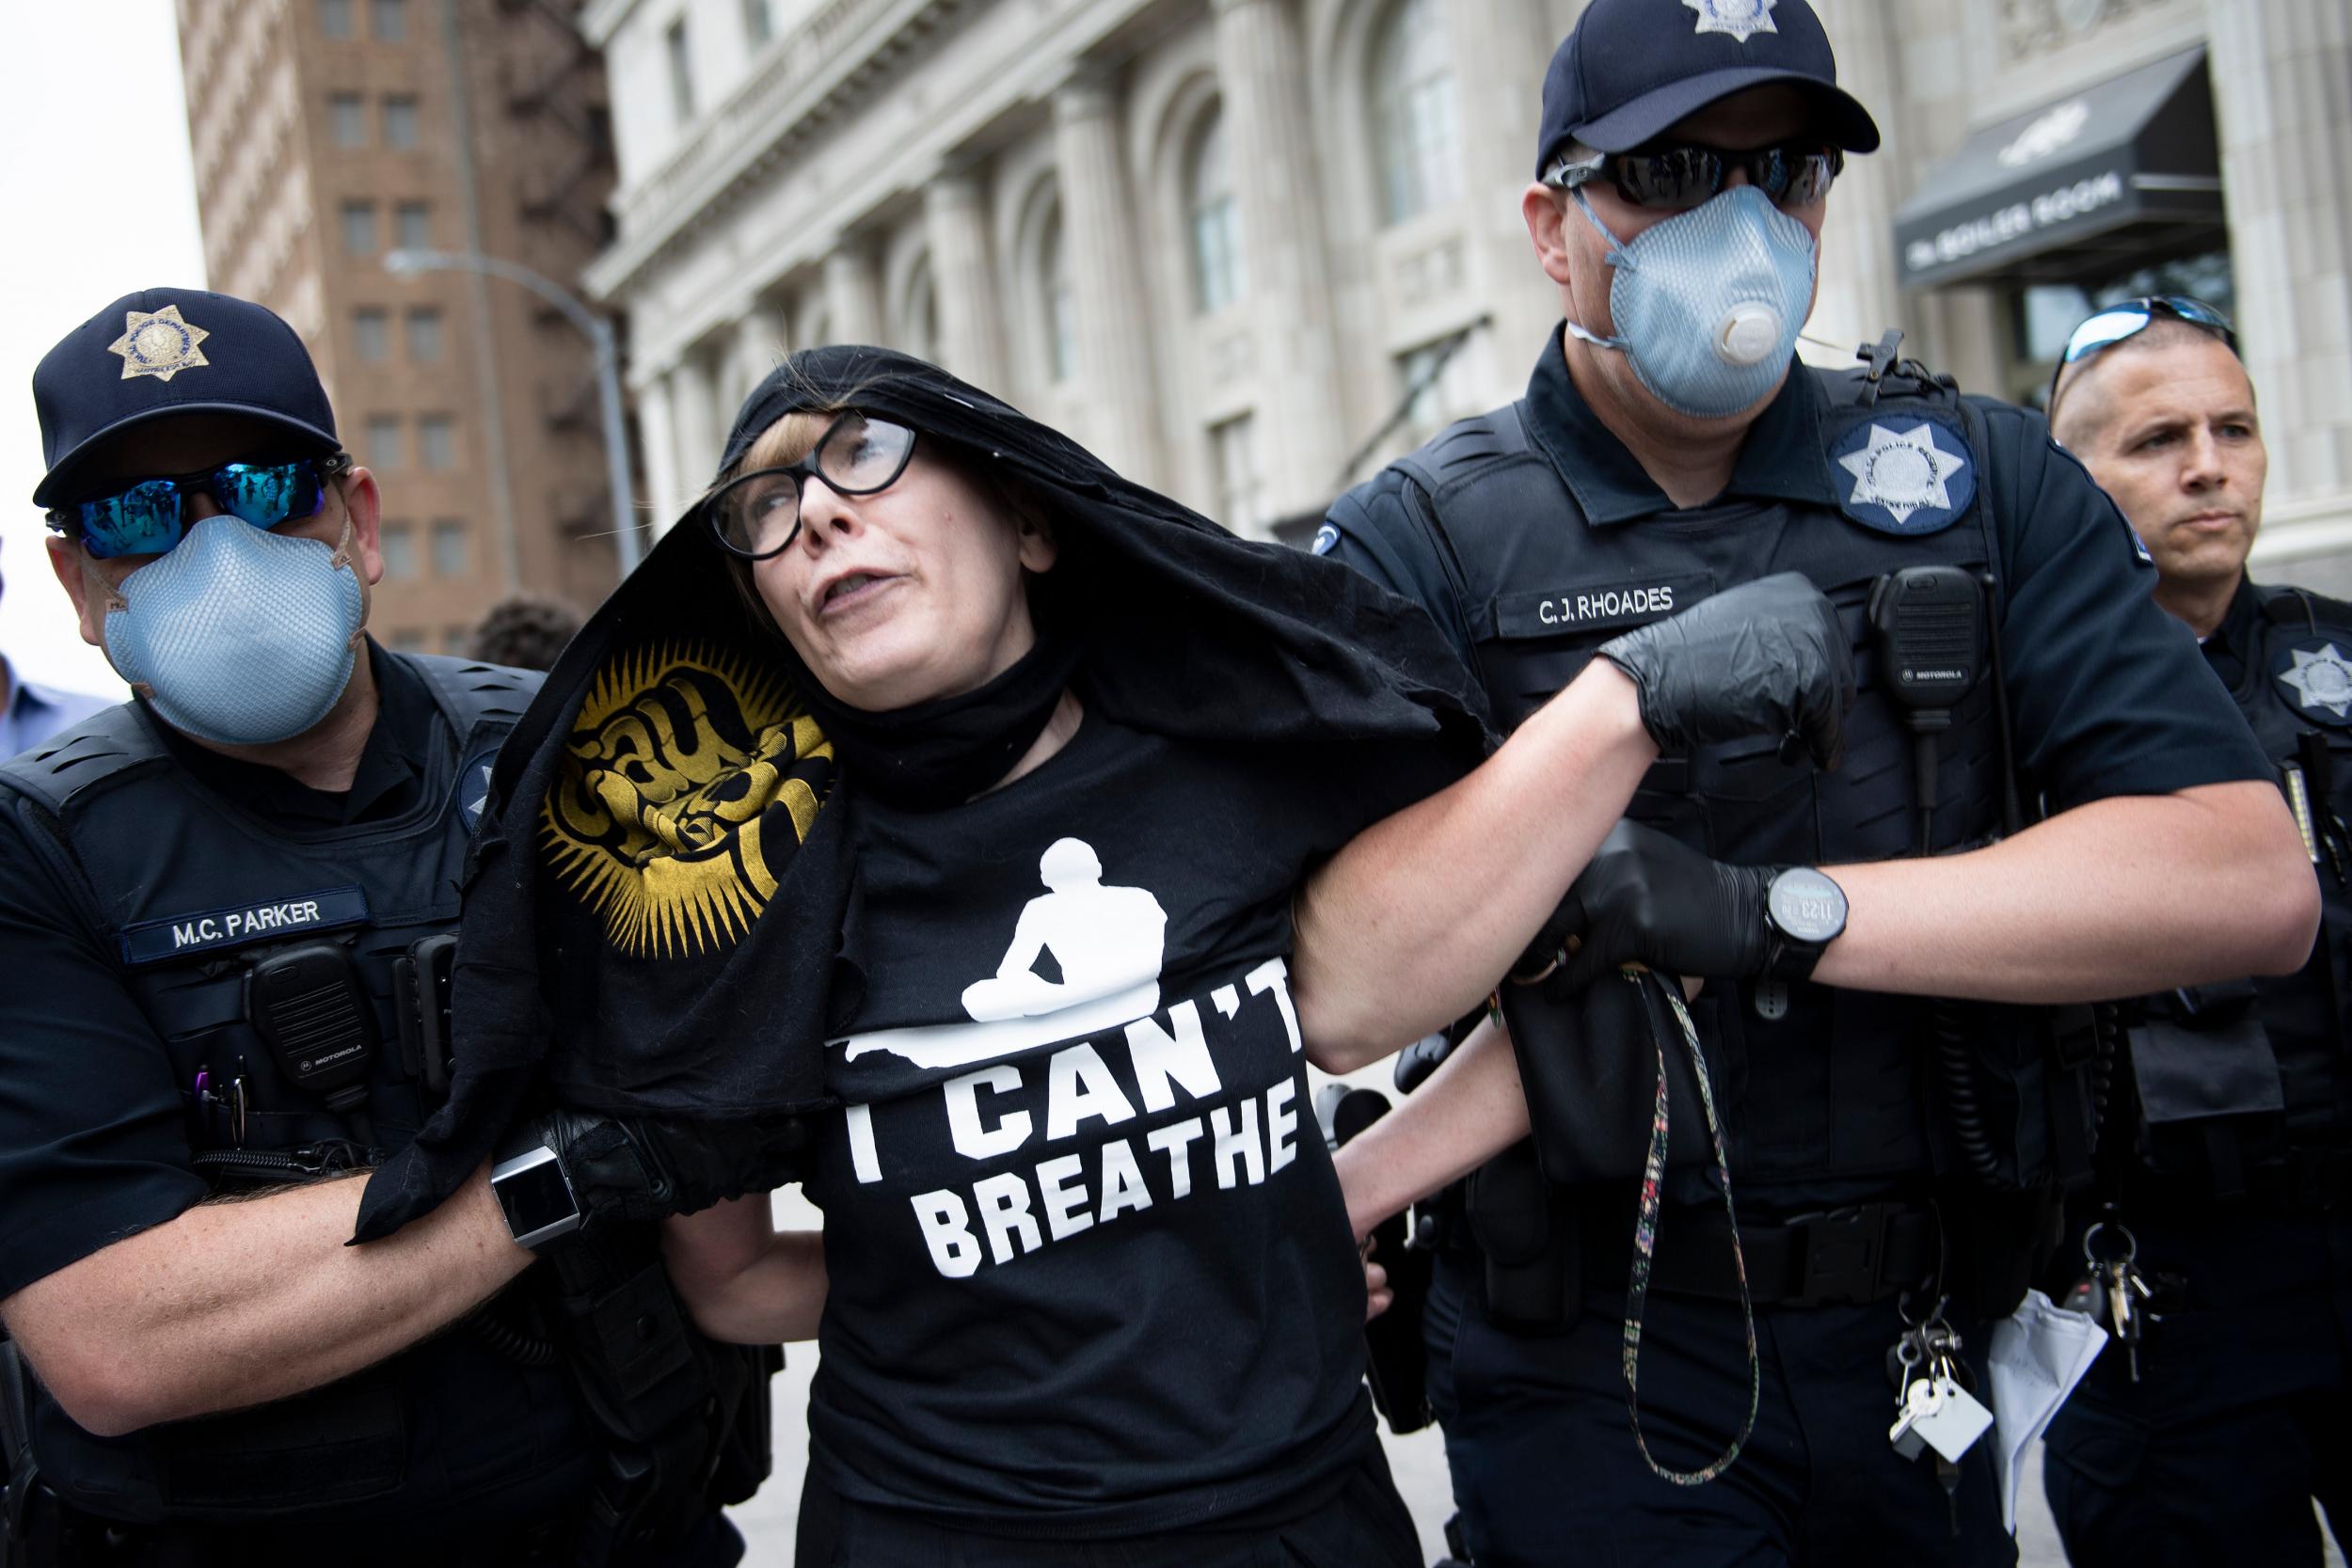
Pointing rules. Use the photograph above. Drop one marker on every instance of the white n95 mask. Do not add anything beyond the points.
(1707, 304)
(240, 636)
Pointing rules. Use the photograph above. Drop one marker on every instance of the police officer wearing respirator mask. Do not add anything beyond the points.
(228, 908)
(1890, 947)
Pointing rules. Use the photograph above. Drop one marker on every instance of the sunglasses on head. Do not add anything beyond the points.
(2108, 327)
(757, 514)
(149, 516)
(1676, 178)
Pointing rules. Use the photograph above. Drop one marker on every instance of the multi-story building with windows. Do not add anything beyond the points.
(330, 132)
(1247, 248)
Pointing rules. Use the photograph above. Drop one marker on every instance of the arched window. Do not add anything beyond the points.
(1413, 111)
(1219, 278)
(1060, 313)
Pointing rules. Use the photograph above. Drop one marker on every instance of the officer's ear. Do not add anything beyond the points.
(90, 610)
(1543, 209)
(364, 503)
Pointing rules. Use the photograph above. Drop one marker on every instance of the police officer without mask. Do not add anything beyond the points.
(218, 905)
(2230, 1200)
(1893, 1138)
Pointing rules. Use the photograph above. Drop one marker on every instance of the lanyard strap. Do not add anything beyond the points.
(1645, 1237)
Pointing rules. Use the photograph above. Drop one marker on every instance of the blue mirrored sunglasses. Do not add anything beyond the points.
(2108, 327)
(150, 515)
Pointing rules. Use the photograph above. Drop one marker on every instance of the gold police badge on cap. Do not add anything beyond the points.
(161, 344)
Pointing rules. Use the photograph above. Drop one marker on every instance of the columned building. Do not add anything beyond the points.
(1247, 250)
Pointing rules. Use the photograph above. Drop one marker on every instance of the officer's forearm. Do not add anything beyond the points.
(743, 1281)
(2118, 897)
(1470, 1110)
(1410, 925)
(237, 1303)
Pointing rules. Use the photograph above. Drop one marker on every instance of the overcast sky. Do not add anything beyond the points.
(101, 202)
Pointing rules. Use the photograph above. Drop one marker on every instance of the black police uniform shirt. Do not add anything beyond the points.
(2288, 683)
(2108, 692)
(93, 1140)
(1089, 1269)
(95, 1147)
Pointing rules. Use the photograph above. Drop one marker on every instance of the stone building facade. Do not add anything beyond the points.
(328, 133)
(1249, 248)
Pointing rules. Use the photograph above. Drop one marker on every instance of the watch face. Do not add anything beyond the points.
(538, 1200)
(1807, 906)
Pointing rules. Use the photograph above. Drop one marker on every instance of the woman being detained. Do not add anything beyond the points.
(1121, 821)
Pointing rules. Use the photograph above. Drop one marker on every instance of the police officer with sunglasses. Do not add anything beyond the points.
(2223, 1207)
(2045, 798)
(227, 909)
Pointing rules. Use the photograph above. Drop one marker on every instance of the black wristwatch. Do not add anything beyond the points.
(1803, 912)
(527, 1180)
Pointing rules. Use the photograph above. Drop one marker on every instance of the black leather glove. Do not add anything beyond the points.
(637, 1169)
(1648, 898)
(1768, 658)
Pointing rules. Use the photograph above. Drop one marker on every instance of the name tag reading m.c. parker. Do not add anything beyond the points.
(1590, 606)
(244, 925)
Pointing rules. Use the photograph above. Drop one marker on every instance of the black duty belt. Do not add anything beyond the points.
(1856, 1255)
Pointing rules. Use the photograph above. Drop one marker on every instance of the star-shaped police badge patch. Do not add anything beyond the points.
(159, 343)
(1908, 476)
(2320, 678)
(1741, 19)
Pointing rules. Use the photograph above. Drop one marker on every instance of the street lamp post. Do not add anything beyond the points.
(407, 263)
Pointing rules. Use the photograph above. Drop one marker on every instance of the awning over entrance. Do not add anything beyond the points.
(2088, 187)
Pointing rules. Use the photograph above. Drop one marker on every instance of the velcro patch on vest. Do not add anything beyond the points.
(1592, 607)
(244, 925)
(1904, 474)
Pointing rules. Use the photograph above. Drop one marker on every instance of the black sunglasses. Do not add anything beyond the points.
(758, 515)
(149, 516)
(1676, 178)
(2109, 327)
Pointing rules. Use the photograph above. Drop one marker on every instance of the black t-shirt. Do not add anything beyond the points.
(2107, 691)
(1090, 1271)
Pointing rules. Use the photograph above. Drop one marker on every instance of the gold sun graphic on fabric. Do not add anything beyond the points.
(690, 777)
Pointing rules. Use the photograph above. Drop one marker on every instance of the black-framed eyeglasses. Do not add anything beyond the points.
(1676, 178)
(2106, 327)
(758, 515)
(149, 516)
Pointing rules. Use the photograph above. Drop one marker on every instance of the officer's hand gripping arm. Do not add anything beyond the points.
(1766, 658)
(1647, 899)
(637, 1169)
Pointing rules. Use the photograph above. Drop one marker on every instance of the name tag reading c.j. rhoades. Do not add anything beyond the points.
(244, 925)
(1591, 607)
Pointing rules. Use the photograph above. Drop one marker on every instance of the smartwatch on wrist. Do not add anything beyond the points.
(533, 1191)
(1803, 912)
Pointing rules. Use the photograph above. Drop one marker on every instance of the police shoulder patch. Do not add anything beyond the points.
(1904, 473)
(2314, 675)
(1326, 537)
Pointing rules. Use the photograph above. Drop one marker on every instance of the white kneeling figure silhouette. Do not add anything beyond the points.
(1108, 942)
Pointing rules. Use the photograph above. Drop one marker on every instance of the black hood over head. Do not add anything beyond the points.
(662, 910)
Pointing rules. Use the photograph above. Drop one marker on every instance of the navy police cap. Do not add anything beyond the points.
(173, 351)
(1633, 68)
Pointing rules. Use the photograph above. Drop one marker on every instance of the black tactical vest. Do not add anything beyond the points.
(2214, 1114)
(1826, 1091)
(193, 891)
